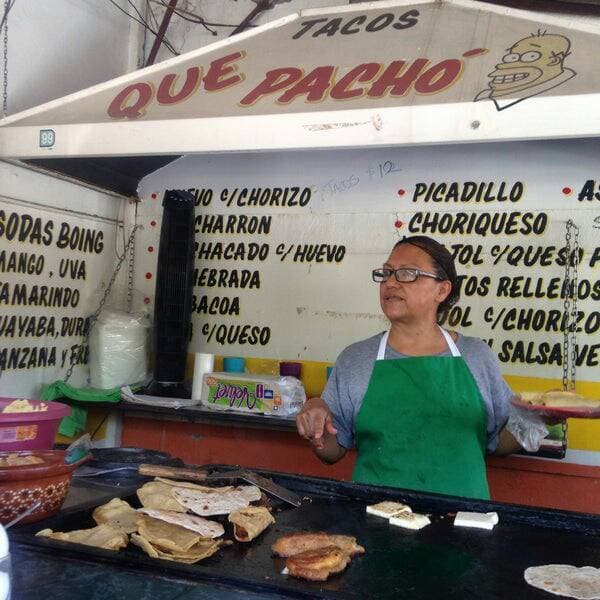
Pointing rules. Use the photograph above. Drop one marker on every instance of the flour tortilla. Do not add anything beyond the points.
(558, 399)
(156, 494)
(203, 549)
(193, 486)
(166, 536)
(102, 536)
(534, 398)
(216, 503)
(568, 400)
(250, 522)
(204, 527)
(118, 514)
(566, 580)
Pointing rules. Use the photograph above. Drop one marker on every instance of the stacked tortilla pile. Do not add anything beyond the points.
(164, 529)
(168, 540)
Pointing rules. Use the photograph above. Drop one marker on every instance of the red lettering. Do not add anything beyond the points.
(439, 77)
(165, 94)
(361, 74)
(219, 68)
(274, 81)
(131, 102)
(397, 78)
(314, 86)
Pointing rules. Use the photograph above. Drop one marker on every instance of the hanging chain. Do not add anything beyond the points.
(5, 82)
(94, 317)
(130, 273)
(574, 296)
(571, 292)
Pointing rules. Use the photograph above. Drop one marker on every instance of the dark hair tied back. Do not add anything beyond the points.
(443, 265)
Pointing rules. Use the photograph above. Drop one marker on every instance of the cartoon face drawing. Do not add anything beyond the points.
(530, 67)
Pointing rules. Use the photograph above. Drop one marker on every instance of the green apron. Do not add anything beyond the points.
(422, 425)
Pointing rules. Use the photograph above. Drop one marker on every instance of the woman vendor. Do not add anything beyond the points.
(421, 405)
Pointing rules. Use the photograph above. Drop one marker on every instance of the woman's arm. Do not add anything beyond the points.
(507, 444)
(315, 423)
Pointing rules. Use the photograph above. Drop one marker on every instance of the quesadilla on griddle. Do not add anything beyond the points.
(250, 522)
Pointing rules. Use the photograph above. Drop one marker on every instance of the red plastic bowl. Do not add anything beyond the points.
(30, 430)
(23, 486)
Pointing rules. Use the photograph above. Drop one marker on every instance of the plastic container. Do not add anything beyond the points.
(234, 364)
(118, 349)
(290, 369)
(5, 573)
(203, 363)
(30, 430)
(258, 394)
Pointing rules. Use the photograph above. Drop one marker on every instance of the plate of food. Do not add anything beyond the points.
(556, 403)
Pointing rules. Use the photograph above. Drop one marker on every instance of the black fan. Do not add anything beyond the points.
(173, 296)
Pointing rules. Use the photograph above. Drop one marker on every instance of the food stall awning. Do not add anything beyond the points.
(382, 73)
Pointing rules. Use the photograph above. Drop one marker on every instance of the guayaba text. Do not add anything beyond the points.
(40, 326)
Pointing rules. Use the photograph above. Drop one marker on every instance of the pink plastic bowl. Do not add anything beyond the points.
(30, 430)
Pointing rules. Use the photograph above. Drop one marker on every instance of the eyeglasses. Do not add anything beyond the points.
(403, 275)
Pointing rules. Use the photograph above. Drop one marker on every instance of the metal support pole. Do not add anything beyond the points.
(161, 32)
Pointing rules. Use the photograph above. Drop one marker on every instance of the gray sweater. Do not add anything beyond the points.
(349, 379)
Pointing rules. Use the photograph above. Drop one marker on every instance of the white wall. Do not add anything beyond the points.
(30, 199)
(358, 203)
(187, 36)
(61, 46)
(57, 47)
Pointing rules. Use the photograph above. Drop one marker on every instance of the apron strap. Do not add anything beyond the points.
(384, 340)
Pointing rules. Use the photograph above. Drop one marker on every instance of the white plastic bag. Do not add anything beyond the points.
(118, 349)
(527, 428)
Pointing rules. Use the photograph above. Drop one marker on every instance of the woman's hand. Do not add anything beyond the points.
(315, 421)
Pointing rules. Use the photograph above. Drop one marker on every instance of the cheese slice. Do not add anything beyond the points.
(410, 520)
(388, 509)
(473, 519)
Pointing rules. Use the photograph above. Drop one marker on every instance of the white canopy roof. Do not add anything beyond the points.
(380, 73)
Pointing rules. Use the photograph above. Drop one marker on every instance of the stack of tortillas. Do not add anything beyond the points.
(164, 529)
(167, 540)
(565, 580)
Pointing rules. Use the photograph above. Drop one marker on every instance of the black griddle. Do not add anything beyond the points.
(440, 561)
